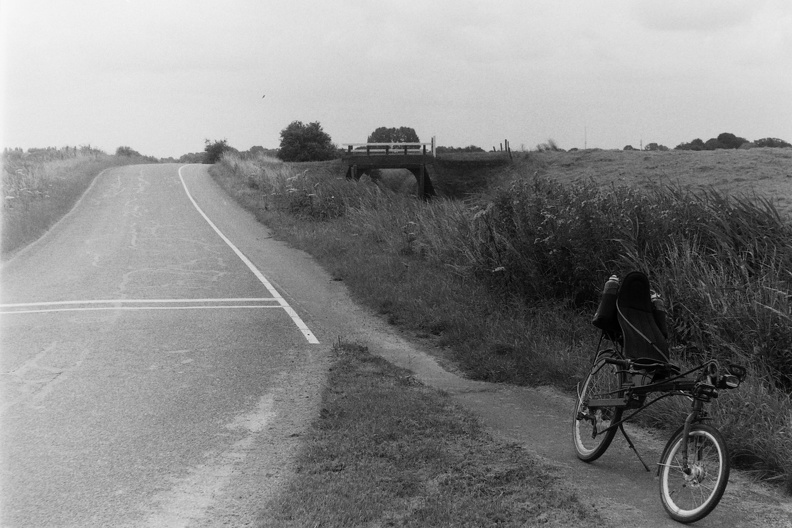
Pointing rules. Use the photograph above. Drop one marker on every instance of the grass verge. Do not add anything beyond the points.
(389, 451)
(504, 284)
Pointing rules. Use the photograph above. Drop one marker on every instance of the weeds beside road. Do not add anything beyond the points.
(40, 187)
(503, 283)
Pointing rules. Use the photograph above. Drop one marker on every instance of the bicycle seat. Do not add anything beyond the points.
(643, 340)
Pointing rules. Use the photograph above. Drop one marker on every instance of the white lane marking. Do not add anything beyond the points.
(118, 304)
(152, 301)
(137, 308)
(289, 310)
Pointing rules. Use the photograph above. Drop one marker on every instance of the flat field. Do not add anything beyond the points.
(763, 171)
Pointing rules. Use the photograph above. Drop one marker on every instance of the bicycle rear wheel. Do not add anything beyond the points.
(689, 497)
(590, 426)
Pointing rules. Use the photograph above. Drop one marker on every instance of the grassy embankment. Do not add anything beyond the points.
(388, 451)
(505, 281)
(40, 187)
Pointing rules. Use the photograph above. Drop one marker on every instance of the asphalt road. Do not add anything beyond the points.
(155, 370)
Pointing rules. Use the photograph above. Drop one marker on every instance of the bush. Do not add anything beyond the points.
(127, 151)
(696, 144)
(214, 150)
(772, 143)
(300, 142)
(548, 146)
(713, 144)
(655, 147)
(730, 141)
(393, 135)
(468, 149)
(192, 157)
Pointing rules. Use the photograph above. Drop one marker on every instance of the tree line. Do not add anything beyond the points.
(302, 142)
(309, 142)
(726, 140)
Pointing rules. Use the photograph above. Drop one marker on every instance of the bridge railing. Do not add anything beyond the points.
(386, 149)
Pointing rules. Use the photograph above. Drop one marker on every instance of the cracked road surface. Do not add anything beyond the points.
(153, 373)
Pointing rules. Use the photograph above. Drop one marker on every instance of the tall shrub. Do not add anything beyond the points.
(301, 142)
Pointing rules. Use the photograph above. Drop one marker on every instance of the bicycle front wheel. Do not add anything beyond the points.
(691, 495)
(591, 428)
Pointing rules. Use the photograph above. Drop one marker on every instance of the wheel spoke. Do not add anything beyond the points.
(690, 497)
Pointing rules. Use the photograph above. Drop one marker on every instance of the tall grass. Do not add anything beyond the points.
(508, 279)
(315, 191)
(41, 185)
(723, 264)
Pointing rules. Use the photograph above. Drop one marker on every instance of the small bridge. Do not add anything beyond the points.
(415, 157)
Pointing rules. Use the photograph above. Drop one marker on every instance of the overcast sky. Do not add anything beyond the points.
(163, 76)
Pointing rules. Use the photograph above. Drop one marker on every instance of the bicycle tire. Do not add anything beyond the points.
(690, 498)
(604, 379)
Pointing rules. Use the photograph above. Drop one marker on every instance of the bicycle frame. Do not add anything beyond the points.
(700, 390)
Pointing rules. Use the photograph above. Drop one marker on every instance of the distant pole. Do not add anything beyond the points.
(585, 138)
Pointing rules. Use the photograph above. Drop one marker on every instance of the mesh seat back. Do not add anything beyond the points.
(642, 337)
